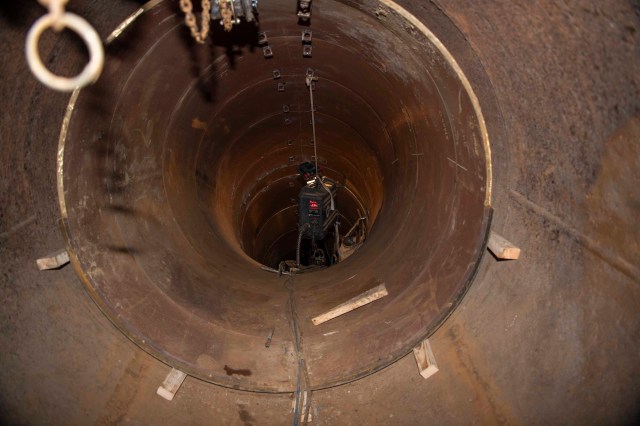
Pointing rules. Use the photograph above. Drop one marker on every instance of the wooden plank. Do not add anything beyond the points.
(53, 261)
(502, 248)
(171, 384)
(424, 358)
(348, 306)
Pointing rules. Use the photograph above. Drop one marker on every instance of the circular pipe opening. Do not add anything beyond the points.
(178, 180)
(257, 170)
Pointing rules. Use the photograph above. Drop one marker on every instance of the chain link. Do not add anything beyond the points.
(190, 20)
(226, 11)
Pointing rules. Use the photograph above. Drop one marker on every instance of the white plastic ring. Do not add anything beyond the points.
(91, 71)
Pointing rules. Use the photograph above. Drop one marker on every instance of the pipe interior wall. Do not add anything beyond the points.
(179, 180)
(534, 341)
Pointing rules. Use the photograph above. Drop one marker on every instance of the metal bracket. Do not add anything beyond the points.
(307, 50)
(304, 11)
(307, 35)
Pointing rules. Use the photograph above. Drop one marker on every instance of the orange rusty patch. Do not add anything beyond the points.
(196, 123)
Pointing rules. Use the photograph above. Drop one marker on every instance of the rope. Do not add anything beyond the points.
(310, 80)
(58, 19)
(56, 11)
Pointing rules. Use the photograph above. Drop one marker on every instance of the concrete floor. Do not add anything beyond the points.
(551, 338)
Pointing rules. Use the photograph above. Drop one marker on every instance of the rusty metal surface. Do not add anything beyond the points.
(171, 172)
(551, 338)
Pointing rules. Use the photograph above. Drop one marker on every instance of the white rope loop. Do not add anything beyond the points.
(56, 10)
(58, 19)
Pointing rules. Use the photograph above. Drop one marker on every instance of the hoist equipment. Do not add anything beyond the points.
(316, 207)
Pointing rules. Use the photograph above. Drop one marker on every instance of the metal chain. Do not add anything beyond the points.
(190, 19)
(226, 11)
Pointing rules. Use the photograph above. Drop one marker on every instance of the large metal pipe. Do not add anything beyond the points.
(177, 179)
(537, 340)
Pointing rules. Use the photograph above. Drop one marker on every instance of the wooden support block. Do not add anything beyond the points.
(425, 359)
(348, 306)
(53, 261)
(502, 248)
(171, 384)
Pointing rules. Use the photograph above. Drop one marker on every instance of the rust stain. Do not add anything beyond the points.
(491, 408)
(241, 372)
(126, 391)
(196, 123)
(613, 203)
(245, 417)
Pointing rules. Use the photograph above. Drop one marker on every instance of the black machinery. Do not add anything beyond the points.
(318, 228)
(316, 208)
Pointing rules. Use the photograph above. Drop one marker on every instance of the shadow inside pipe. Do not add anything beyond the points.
(19, 14)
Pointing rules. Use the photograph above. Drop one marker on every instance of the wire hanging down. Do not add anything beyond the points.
(310, 79)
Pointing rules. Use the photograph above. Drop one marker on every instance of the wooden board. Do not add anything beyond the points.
(424, 358)
(348, 306)
(171, 384)
(53, 261)
(502, 248)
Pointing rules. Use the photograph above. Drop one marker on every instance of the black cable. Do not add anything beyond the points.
(301, 230)
(302, 368)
